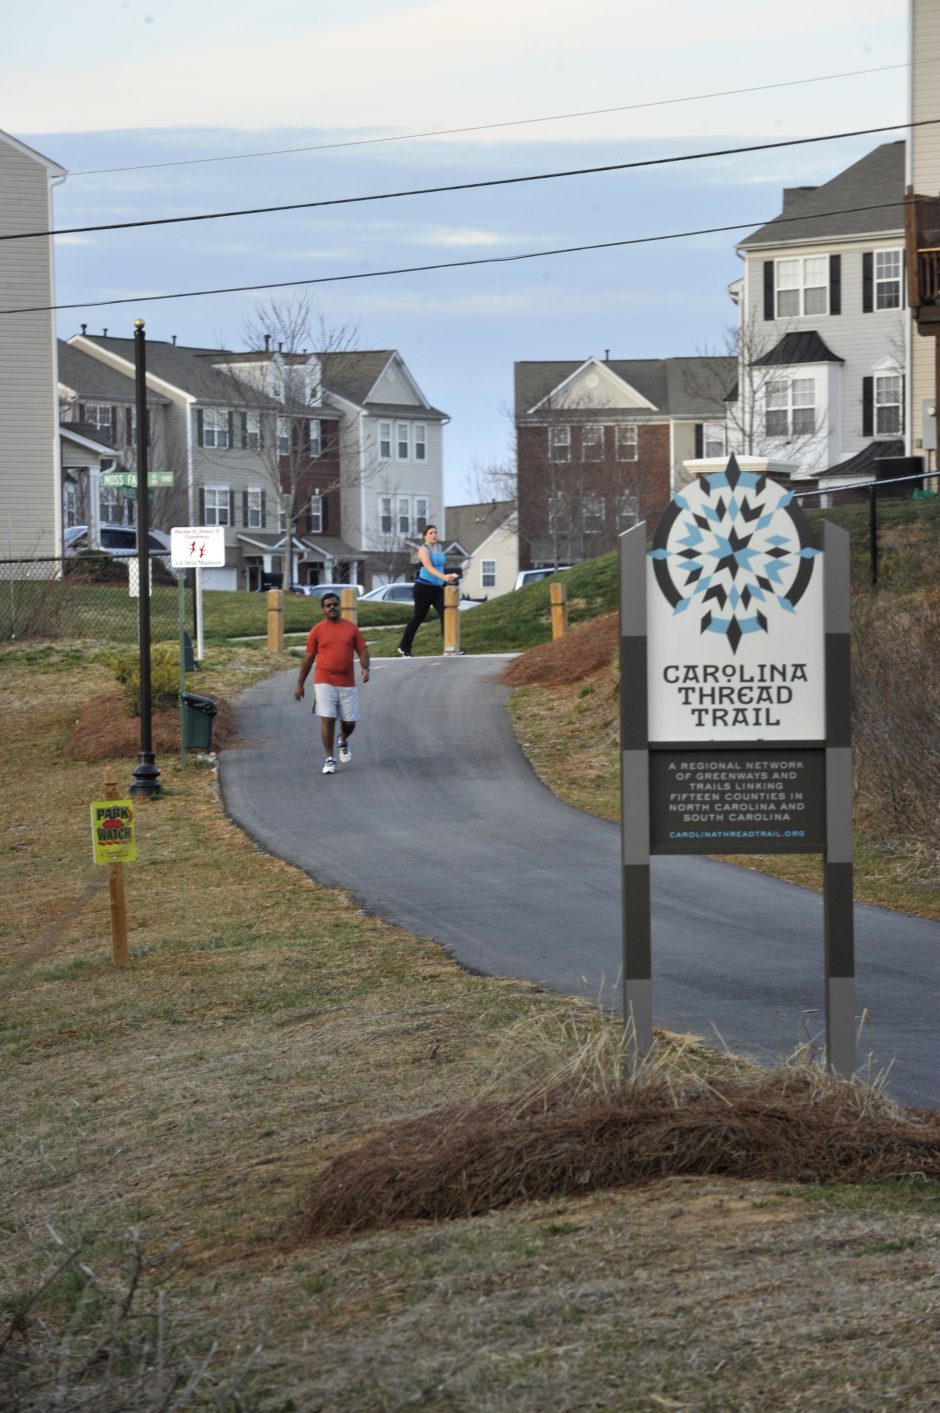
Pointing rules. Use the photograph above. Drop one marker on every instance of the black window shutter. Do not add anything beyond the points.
(200, 439)
(244, 422)
(128, 425)
(868, 407)
(202, 504)
(699, 439)
(324, 515)
(768, 289)
(835, 284)
(231, 507)
(245, 509)
(231, 429)
(903, 399)
(81, 412)
(114, 425)
(263, 516)
(868, 282)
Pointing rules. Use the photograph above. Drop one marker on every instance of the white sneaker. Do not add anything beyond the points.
(329, 766)
(345, 754)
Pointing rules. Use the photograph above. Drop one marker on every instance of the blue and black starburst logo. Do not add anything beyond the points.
(728, 547)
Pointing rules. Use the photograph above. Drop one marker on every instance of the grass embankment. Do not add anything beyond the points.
(173, 1120)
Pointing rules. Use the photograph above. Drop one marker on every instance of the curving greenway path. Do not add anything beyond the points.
(440, 825)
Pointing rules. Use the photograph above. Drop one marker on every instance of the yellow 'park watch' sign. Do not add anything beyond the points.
(112, 831)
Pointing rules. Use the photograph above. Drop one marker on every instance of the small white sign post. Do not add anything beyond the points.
(198, 547)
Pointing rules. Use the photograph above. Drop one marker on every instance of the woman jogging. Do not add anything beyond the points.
(428, 590)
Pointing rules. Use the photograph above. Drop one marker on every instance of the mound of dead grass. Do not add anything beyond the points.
(467, 1162)
(104, 730)
(579, 654)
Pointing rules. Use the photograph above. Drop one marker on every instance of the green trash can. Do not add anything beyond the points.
(198, 713)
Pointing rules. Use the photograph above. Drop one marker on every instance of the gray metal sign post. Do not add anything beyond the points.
(735, 712)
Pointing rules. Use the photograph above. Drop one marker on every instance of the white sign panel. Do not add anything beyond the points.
(197, 547)
(735, 616)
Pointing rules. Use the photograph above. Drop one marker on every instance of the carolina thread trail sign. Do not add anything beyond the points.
(735, 713)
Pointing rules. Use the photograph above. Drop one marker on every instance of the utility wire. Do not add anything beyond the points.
(466, 186)
(446, 264)
(484, 127)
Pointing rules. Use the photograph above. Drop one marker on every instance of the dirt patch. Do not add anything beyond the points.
(583, 651)
(104, 731)
(464, 1163)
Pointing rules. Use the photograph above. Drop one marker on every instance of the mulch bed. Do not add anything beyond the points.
(104, 731)
(462, 1163)
(579, 654)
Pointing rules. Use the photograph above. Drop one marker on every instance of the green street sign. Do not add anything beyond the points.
(128, 479)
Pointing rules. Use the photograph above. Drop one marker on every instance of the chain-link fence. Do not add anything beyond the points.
(894, 527)
(86, 599)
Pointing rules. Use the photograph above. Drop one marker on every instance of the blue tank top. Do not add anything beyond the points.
(436, 556)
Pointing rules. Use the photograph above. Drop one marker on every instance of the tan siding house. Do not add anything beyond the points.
(30, 500)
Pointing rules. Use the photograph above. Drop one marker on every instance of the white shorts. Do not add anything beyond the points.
(342, 702)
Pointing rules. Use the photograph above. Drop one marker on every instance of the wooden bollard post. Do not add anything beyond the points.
(119, 953)
(451, 618)
(558, 594)
(348, 604)
(275, 620)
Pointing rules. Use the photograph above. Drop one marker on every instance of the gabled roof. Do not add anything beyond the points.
(84, 434)
(875, 183)
(53, 168)
(355, 375)
(95, 381)
(473, 525)
(676, 387)
(805, 347)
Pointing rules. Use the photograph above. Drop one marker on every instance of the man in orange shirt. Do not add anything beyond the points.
(332, 644)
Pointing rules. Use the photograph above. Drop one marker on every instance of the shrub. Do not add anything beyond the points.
(164, 675)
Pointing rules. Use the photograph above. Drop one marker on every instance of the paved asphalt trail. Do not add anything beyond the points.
(439, 824)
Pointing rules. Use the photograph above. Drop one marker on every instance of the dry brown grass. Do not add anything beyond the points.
(185, 1107)
(462, 1162)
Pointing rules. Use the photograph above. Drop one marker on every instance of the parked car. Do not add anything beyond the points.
(119, 540)
(316, 591)
(525, 577)
(390, 593)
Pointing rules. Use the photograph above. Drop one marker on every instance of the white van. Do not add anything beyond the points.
(525, 577)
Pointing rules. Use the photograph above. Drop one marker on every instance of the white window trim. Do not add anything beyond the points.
(420, 441)
(256, 493)
(592, 438)
(315, 515)
(253, 430)
(627, 442)
(386, 512)
(559, 441)
(897, 279)
(488, 573)
(399, 440)
(790, 406)
(223, 492)
(385, 441)
(801, 287)
(879, 406)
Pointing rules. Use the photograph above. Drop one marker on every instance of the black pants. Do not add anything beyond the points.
(427, 596)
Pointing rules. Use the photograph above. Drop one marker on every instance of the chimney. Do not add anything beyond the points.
(792, 194)
(606, 355)
(104, 333)
(173, 337)
(84, 327)
(280, 348)
(267, 343)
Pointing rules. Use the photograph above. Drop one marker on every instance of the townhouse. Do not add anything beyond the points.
(342, 448)
(600, 444)
(824, 331)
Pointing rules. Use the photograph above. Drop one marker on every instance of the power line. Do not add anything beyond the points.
(464, 186)
(444, 264)
(485, 127)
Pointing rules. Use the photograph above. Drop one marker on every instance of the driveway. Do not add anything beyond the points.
(440, 825)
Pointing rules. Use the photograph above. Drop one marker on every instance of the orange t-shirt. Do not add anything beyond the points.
(335, 645)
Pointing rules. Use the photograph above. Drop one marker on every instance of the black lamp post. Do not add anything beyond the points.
(146, 779)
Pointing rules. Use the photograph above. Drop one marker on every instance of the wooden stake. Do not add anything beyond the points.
(348, 605)
(451, 618)
(275, 620)
(119, 951)
(558, 593)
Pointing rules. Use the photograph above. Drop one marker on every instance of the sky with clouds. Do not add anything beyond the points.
(133, 84)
